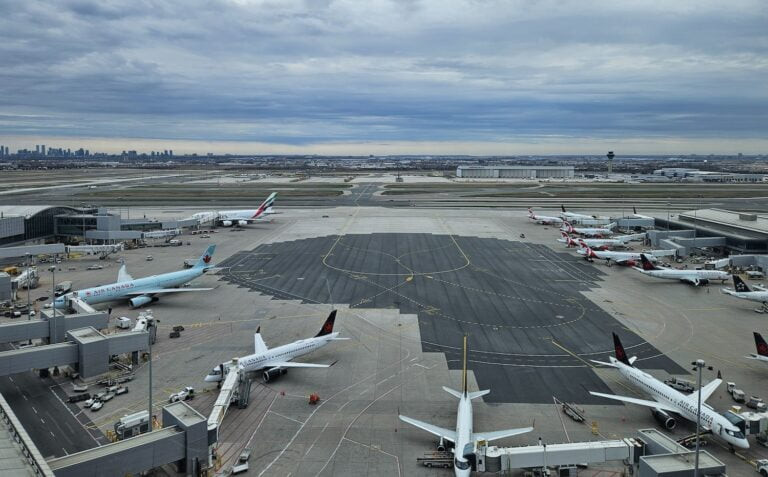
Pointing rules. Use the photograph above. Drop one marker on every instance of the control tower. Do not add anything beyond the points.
(610, 157)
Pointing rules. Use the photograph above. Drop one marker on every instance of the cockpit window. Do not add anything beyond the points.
(461, 464)
(736, 434)
(216, 371)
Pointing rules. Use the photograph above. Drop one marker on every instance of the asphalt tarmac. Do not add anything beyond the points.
(531, 330)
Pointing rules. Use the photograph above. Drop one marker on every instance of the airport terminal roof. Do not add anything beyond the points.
(28, 210)
(727, 218)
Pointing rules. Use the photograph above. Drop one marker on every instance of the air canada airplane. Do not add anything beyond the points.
(142, 291)
(464, 437)
(692, 277)
(629, 259)
(606, 231)
(276, 361)
(742, 290)
(599, 244)
(572, 215)
(762, 348)
(544, 219)
(668, 401)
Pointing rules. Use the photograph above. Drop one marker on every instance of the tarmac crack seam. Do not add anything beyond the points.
(322, 403)
(349, 426)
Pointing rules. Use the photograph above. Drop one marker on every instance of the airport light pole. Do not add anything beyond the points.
(698, 365)
(52, 269)
(29, 300)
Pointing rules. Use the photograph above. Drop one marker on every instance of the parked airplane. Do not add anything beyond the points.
(762, 348)
(629, 259)
(741, 290)
(590, 231)
(667, 400)
(599, 244)
(276, 361)
(464, 438)
(142, 291)
(544, 219)
(228, 218)
(572, 215)
(692, 277)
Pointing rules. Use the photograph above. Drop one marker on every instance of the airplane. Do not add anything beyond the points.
(667, 400)
(762, 348)
(464, 438)
(229, 218)
(622, 258)
(741, 290)
(589, 231)
(692, 277)
(544, 219)
(276, 361)
(142, 291)
(572, 215)
(599, 244)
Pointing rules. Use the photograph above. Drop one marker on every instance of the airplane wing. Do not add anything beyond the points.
(446, 434)
(640, 402)
(160, 291)
(291, 364)
(123, 275)
(492, 436)
(707, 390)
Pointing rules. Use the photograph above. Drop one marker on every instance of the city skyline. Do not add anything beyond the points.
(386, 77)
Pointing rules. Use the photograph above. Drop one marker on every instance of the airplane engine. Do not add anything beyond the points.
(664, 418)
(139, 301)
(274, 373)
(242, 222)
(226, 223)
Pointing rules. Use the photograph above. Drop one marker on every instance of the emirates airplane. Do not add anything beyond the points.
(229, 218)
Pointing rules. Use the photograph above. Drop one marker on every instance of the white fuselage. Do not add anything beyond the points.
(545, 220)
(464, 433)
(616, 256)
(758, 357)
(272, 357)
(131, 288)
(758, 296)
(570, 216)
(592, 232)
(686, 405)
(687, 275)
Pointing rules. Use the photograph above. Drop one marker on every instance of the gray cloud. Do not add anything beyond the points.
(304, 72)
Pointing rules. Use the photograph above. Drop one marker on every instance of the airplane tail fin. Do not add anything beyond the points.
(762, 346)
(562, 207)
(530, 212)
(464, 370)
(265, 205)
(647, 265)
(739, 285)
(205, 259)
(568, 226)
(327, 328)
(621, 355)
(634, 210)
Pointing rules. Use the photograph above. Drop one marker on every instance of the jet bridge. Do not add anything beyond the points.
(236, 386)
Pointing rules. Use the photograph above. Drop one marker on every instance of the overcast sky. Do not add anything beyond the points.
(359, 77)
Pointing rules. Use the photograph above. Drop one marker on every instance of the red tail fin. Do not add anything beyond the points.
(647, 265)
(618, 348)
(762, 346)
(327, 328)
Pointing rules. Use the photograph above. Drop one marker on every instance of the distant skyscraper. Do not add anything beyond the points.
(37, 148)
(170, 152)
(42, 149)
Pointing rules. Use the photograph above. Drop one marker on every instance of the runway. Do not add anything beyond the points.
(531, 330)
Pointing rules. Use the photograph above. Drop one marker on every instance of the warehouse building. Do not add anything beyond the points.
(515, 172)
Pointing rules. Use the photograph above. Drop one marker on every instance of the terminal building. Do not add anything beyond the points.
(696, 175)
(28, 224)
(515, 172)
